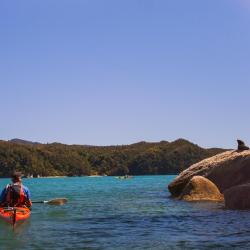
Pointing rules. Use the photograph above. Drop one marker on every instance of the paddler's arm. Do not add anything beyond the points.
(2, 196)
(27, 194)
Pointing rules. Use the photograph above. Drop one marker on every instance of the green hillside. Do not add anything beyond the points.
(141, 158)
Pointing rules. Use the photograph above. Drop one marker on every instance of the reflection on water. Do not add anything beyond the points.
(106, 213)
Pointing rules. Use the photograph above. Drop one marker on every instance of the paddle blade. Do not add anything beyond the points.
(58, 201)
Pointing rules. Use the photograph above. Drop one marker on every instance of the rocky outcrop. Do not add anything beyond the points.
(238, 197)
(201, 189)
(225, 170)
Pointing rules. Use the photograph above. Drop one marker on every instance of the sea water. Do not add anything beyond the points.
(112, 213)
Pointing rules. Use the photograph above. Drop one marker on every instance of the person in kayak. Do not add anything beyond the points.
(15, 194)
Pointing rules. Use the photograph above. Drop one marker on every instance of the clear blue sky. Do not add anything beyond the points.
(121, 71)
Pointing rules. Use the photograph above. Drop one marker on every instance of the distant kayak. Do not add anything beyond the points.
(14, 215)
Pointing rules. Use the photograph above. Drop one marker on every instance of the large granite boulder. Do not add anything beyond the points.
(225, 170)
(238, 197)
(201, 189)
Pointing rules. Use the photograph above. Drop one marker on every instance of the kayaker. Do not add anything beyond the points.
(15, 194)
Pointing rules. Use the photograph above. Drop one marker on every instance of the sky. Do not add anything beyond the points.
(121, 71)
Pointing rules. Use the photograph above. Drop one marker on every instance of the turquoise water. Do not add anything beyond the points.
(137, 213)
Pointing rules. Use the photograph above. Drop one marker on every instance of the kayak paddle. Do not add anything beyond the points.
(58, 201)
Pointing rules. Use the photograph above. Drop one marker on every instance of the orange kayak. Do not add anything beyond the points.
(14, 214)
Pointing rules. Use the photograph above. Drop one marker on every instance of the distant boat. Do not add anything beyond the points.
(124, 177)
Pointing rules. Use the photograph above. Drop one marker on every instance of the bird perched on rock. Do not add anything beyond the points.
(241, 145)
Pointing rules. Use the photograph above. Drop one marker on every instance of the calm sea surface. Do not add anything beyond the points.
(109, 213)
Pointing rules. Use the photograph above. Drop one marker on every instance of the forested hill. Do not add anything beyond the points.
(141, 158)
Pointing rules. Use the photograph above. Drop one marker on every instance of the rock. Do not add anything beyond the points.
(238, 197)
(241, 145)
(201, 189)
(225, 170)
